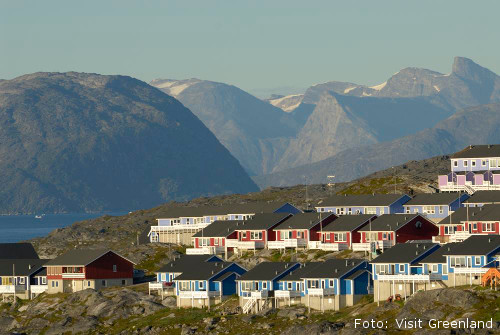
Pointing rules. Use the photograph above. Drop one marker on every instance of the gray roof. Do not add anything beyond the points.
(219, 228)
(333, 268)
(80, 257)
(203, 271)
(186, 262)
(390, 222)
(476, 245)
(304, 220)
(356, 274)
(263, 221)
(266, 271)
(459, 215)
(424, 199)
(404, 253)
(484, 197)
(349, 222)
(360, 200)
(22, 267)
(17, 251)
(478, 151)
(483, 213)
(298, 274)
(438, 256)
(247, 208)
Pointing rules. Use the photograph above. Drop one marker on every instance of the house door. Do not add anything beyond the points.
(470, 227)
(67, 286)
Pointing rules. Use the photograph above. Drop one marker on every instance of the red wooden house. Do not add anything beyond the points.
(389, 229)
(344, 231)
(80, 269)
(256, 232)
(300, 229)
(212, 239)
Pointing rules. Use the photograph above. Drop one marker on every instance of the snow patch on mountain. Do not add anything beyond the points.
(379, 86)
(349, 89)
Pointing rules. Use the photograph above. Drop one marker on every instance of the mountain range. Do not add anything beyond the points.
(331, 119)
(75, 142)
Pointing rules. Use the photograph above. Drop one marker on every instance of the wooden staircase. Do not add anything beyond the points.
(492, 277)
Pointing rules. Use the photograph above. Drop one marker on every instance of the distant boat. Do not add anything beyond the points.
(38, 216)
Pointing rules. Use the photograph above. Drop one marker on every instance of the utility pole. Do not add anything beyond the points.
(14, 281)
(307, 201)
(394, 174)
(330, 184)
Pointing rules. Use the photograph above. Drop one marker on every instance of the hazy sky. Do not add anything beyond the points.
(251, 44)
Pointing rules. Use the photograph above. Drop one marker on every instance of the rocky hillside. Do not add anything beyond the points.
(76, 142)
(131, 311)
(453, 134)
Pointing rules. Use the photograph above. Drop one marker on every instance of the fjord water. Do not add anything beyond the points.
(15, 228)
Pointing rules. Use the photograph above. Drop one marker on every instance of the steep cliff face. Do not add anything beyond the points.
(86, 142)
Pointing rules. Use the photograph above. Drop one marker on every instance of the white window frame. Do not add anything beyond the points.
(263, 285)
(455, 163)
(247, 286)
(466, 163)
(115, 268)
(370, 210)
(429, 209)
(441, 209)
(487, 227)
(289, 286)
(21, 280)
(340, 237)
(256, 235)
(184, 286)
(382, 269)
(201, 285)
(483, 162)
(402, 268)
(473, 163)
(476, 259)
(435, 268)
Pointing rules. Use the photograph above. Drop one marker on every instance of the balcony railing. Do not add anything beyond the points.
(288, 243)
(178, 227)
(11, 289)
(210, 250)
(244, 244)
(259, 294)
(38, 288)
(198, 294)
(466, 270)
(327, 246)
(320, 291)
(286, 294)
(73, 275)
(402, 277)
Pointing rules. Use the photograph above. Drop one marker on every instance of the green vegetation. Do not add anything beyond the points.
(383, 185)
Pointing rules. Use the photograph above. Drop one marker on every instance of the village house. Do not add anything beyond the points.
(165, 276)
(398, 272)
(377, 204)
(212, 239)
(335, 284)
(17, 251)
(435, 206)
(79, 269)
(256, 287)
(343, 232)
(290, 289)
(390, 229)
(181, 223)
(469, 261)
(452, 228)
(301, 230)
(24, 278)
(206, 283)
(474, 168)
(257, 232)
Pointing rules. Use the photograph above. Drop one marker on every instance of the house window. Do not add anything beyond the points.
(216, 241)
(44, 280)
(342, 211)
(289, 286)
(349, 211)
(204, 242)
(88, 283)
(124, 282)
(487, 227)
(114, 268)
(243, 235)
(435, 268)
(455, 163)
(256, 235)
(371, 237)
(57, 284)
(415, 210)
(382, 269)
(21, 280)
(330, 283)
(201, 285)
(103, 283)
(407, 210)
(473, 163)
(466, 163)
(370, 210)
(313, 284)
(474, 225)
(441, 209)
(184, 286)
(53, 285)
(445, 269)
(264, 285)
(477, 260)
(401, 268)
(247, 286)
(340, 237)
(458, 262)
(429, 210)
(338, 210)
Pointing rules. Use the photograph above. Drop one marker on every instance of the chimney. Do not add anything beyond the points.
(346, 262)
(336, 270)
(489, 240)
(416, 252)
(291, 273)
(489, 146)
(276, 271)
(449, 249)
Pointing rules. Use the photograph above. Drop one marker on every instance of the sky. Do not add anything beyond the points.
(259, 46)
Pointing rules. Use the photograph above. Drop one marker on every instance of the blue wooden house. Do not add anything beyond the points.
(377, 204)
(435, 205)
(256, 288)
(207, 283)
(469, 260)
(165, 276)
(335, 283)
(398, 270)
(24, 278)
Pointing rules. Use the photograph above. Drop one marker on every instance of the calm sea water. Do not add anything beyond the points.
(15, 228)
